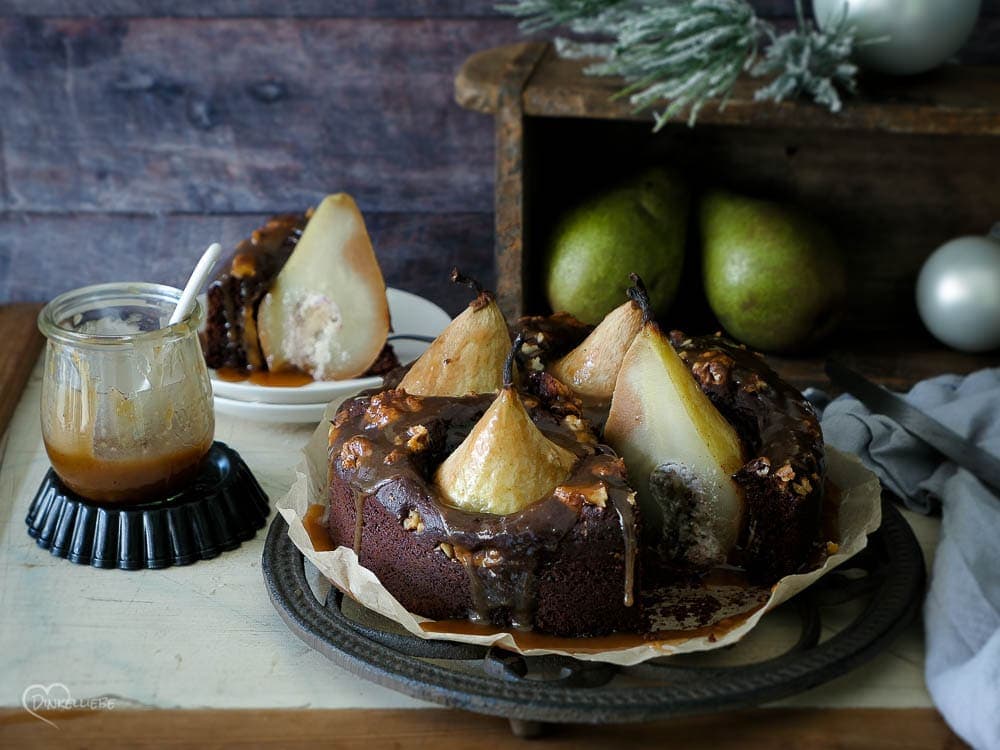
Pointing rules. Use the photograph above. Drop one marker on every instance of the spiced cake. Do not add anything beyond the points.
(566, 565)
(232, 337)
(783, 477)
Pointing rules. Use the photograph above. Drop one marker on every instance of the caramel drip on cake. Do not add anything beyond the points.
(626, 516)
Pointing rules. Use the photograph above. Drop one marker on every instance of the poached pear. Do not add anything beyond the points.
(591, 369)
(639, 226)
(505, 463)
(326, 313)
(680, 451)
(774, 278)
(468, 356)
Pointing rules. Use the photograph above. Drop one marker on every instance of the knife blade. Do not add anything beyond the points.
(984, 466)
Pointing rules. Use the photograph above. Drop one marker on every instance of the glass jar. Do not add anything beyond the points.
(126, 401)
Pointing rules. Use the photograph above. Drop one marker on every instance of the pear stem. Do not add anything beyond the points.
(483, 297)
(458, 277)
(638, 294)
(508, 365)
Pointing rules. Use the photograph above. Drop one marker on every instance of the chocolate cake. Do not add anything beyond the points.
(783, 478)
(230, 339)
(565, 565)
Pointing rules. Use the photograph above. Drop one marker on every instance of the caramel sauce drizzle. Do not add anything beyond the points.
(529, 640)
(268, 378)
(315, 527)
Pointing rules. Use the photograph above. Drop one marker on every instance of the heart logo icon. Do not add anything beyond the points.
(40, 697)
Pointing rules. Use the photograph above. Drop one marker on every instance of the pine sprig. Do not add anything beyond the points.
(688, 53)
(809, 61)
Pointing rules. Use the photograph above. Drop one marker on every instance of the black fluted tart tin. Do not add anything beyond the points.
(222, 508)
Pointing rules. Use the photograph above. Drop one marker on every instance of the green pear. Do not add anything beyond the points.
(637, 227)
(774, 279)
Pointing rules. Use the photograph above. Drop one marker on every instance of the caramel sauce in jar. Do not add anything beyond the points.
(139, 478)
(126, 412)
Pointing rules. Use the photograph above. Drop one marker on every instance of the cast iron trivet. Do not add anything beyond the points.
(888, 577)
(224, 507)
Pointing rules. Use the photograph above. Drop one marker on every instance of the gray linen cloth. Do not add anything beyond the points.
(962, 608)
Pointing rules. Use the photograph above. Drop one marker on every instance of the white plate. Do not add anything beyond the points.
(273, 413)
(410, 314)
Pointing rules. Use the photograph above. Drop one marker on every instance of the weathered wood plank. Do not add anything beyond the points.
(42, 255)
(250, 8)
(950, 100)
(250, 115)
(22, 342)
(312, 8)
(430, 729)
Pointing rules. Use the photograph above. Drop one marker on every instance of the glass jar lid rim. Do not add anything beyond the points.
(49, 318)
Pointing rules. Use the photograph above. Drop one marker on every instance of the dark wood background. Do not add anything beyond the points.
(133, 133)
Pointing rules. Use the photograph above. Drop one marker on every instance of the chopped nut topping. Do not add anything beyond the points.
(354, 450)
(535, 364)
(379, 413)
(761, 466)
(573, 422)
(243, 265)
(714, 369)
(413, 522)
(631, 499)
(804, 487)
(420, 438)
(575, 496)
(786, 473)
(530, 350)
(394, 456)
(447, 550)
(832, 548)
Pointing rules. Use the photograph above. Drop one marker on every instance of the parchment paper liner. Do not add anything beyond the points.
(860, 514)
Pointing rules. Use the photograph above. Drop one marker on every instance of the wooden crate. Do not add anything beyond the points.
(907, 165)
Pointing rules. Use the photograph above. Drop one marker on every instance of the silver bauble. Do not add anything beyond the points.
(922, 34)
(958, 293)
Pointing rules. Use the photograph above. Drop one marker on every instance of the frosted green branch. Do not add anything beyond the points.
(685, 54)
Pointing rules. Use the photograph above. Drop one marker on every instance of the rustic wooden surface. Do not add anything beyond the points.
(509, 208)
(135, 131)
(206, 636)
(827, 729)
(954, 99)
(21, 342)
(416, 250)
(133, 142)
(905, 171)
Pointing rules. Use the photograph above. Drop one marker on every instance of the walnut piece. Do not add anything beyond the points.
(786, 473)
(420, 438)
(574, 497)
(354, 451)
(413, 522)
